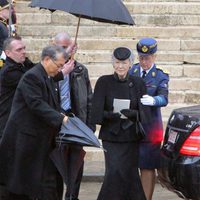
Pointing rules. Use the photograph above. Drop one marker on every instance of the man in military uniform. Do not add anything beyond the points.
(4, 16)
(156, 81)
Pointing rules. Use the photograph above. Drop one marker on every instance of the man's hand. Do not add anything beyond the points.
(68, 67)
(72, 48)
(147, 100)
(65, 120)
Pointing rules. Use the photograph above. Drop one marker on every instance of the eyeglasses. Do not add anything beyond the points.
(59, 66)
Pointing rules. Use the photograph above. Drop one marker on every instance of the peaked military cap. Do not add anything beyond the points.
(147, 46)
(122, 53)
(3, 4)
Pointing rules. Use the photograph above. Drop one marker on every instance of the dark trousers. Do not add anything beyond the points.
(74, 153)
(6, 195)
(52, 183)
(52, 186)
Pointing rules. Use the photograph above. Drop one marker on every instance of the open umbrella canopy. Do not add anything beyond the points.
(109, 11)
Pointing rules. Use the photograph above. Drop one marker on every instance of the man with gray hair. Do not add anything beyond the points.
(29, 136)
(75, 97)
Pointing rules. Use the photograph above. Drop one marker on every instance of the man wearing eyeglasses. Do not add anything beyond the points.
(75, 97)
(29, 136)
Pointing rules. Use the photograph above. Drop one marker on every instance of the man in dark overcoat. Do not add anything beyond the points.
(16, 64)
(29, 135)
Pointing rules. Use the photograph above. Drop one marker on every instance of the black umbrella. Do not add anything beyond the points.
(109, 11)
(77, 132)
(68, 163)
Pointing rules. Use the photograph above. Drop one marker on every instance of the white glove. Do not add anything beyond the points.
(3, 55)
(147, 100)
(13, 29)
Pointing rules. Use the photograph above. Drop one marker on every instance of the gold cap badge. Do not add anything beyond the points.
(145, 49)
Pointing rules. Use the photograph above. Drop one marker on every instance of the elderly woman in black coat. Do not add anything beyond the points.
(118, 132)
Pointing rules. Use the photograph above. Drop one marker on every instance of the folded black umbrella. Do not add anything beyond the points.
(68, 161)
(77, 132)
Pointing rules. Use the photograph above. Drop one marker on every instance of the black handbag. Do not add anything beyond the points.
(139, 130)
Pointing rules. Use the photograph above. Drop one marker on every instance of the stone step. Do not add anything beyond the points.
(187, 97)
(49, 30)
(149, 1)
(180, 8)
(111, 43)
(166, 111)
(176, 84)
(104, 56)
(185, 70)
(165, 8)
(44, 17)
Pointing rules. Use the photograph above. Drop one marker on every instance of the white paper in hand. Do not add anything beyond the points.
(120, 104)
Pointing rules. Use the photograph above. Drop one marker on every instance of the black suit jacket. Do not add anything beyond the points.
(29, 135)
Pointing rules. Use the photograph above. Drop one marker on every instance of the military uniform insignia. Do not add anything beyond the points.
(1, 63)
(166, 85)
(145, 49)
(163, 70)
(3, 21)
(153, 74)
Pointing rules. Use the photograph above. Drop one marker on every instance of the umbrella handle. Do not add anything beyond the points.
(10, 19)
(77, 29)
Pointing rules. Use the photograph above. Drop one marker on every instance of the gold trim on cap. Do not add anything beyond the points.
(153, 45)
(3, 7)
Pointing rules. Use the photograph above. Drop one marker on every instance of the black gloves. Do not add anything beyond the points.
(111, 115)
(130, 114)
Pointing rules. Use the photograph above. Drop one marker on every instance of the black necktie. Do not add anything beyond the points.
(144, 73)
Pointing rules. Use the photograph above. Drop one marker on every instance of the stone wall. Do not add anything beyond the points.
(174, 23)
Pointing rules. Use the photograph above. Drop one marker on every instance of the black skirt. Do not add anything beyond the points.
(121, 180)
